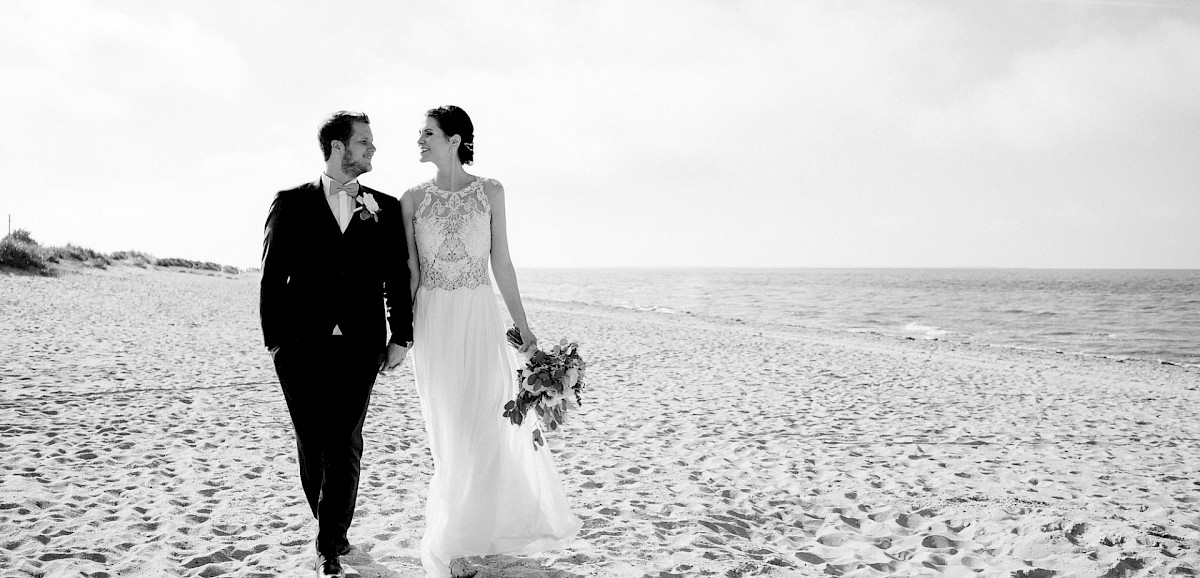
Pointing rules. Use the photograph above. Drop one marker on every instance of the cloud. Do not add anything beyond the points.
(687, 132)
(89, 60)
(1104, 87)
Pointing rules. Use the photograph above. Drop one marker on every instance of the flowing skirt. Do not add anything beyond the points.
(491, 492)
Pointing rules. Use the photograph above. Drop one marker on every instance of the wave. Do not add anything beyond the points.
(631, 306)
(929, 331)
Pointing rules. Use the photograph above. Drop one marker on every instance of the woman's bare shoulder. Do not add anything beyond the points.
(412, 197)
(491, 187)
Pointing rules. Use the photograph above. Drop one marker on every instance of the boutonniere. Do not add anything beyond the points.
(368, 208)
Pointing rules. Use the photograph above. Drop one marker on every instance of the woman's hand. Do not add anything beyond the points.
(528, 341)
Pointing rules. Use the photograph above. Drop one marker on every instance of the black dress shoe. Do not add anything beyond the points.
(329, 566)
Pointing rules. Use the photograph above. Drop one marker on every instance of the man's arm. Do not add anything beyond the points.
(397, 294)
(276, 267)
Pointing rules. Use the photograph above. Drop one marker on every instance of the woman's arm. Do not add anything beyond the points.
(408, 208)
(502, 267)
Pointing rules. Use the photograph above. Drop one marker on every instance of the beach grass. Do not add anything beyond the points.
(20, 252)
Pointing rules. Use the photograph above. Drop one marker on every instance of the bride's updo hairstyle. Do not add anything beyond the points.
(454, 121)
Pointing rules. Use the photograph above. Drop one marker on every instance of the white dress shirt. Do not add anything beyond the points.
(341, 204)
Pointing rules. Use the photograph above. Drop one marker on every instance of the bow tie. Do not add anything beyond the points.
(351, 188)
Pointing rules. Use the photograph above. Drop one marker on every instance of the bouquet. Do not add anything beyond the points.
(550, 384)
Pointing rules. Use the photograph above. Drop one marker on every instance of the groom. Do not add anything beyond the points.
(335, 266)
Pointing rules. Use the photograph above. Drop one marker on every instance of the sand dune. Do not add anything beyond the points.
(143, 434)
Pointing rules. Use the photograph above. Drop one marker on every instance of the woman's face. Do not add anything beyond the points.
(432, 142)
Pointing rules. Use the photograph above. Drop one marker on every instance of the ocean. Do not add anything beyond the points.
(1124, 314)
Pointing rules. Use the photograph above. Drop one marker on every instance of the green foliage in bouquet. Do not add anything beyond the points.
(550, 384)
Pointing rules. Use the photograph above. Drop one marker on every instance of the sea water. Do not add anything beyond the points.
(1125, 314)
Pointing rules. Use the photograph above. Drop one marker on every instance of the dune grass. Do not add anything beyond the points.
(189, 264)
(19, 251)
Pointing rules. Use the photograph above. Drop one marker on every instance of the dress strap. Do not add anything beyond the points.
(425, 200)
(481, 196)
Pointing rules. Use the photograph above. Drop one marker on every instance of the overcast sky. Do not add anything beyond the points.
(981, 133)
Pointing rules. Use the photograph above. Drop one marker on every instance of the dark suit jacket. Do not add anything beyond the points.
(315, 277)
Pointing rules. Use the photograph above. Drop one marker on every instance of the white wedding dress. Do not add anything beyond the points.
(491, 492)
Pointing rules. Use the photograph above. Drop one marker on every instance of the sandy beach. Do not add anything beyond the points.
(143, 434)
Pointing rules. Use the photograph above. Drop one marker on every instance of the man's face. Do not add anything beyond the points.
(360, 149)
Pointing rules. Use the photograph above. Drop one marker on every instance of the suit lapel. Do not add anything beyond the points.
(356, 221)
(320, 204)
(321, 207)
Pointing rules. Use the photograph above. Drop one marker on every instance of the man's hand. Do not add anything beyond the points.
(394, 357)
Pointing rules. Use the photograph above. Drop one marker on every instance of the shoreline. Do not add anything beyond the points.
(146, 436)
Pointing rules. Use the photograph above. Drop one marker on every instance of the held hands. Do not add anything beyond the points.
(393, 358)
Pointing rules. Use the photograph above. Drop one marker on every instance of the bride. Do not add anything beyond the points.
(491, 492)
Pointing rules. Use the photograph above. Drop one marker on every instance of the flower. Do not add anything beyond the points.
(367, 201)
(550, 384)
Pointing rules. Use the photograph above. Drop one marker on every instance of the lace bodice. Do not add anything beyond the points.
(453, 231)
